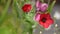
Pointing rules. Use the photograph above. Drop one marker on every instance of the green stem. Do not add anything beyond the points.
(2, 18)
(51, 6)
(31, 31)
(42, 1)
(48, 2)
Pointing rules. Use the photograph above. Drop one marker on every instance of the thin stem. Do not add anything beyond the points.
(31, 31)
(48, 2)
(42, 1)
(51, 6)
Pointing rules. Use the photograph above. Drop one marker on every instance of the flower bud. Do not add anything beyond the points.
(44, 7)
(37, 17)
(27, 7)
(38, 5)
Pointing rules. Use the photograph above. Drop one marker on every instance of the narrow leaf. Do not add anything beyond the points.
(42, 0)
(51, 6)
(48, 2)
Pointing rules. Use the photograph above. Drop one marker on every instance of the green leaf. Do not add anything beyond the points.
(27, 0)
(51, 6)
(17, 8)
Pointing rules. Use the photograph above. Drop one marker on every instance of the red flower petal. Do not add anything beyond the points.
(41, 23)
(48, 15)
(49, 21)
(46, 25)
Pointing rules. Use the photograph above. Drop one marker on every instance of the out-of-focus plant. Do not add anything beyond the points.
(4, 12)
(25, 13)
(8, 23)
(17, 21)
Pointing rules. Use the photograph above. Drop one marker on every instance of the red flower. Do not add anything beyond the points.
(45, 20)
(26, 7)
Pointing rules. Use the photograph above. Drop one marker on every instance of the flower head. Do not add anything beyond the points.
(44, 7)
(41, 6)
(45, 20)
(26, 7)
(38, 5)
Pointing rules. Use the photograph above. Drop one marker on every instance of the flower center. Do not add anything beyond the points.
(43, 20)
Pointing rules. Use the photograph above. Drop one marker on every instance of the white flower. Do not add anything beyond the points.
(57, 15)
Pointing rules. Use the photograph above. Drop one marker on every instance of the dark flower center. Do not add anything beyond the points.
(43, 20)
